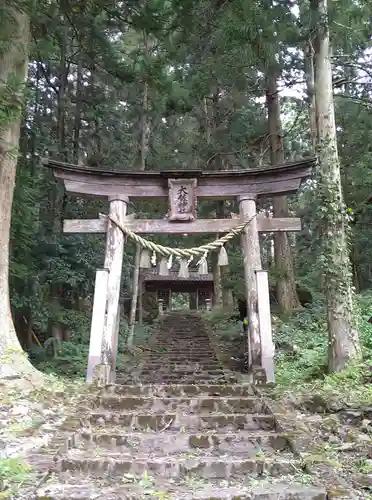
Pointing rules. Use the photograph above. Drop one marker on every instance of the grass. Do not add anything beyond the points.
(306, 370)
(72, 355)
(13, 473)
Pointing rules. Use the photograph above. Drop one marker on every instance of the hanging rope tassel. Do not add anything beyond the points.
(203, 265)
(184, 269)
(163, 267)
(223, 259)
(170, 262)
(145, 260)
(153, 258)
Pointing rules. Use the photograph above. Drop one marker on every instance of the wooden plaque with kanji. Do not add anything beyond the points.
(182, 200)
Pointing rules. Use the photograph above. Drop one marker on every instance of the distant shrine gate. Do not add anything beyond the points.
(183, 189)
(199, 288)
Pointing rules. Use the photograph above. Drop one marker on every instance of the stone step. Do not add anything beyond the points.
(176, 340)
(184, 353)
(181, 378)
(173, 373)
(235, 390)
(249, 443)
(214, 404)
(196, 363)
(227, 379)
(177, 343)
(185, 379)
(173, 421)
(177, 466)
(193, 345)
(182, 367)
(87, 490)
(190, 371)
(183, 360)
(158, 365)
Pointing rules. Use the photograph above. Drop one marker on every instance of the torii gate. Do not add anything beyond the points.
(120, 186)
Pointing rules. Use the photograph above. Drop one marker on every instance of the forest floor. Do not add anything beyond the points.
(29, 419)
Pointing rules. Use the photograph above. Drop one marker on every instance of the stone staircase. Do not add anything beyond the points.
(187, 432)
(182, 354)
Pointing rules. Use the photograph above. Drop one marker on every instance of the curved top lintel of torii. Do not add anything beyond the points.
(224, 184)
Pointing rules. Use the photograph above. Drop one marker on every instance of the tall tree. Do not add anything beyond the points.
(143, 147)
(343, 335)
(15, 30)
(286, 285)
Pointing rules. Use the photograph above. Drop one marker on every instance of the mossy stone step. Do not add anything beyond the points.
(160, 365)
(234, 390)
(183, 357)
(199, 404)
(198, 466)
(181, 378)
(186, 367)
(78, 493)
(174, 421)
(82, 489)
(147, 380)
(249, 443)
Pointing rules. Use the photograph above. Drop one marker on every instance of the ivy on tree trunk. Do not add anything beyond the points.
(332, 216)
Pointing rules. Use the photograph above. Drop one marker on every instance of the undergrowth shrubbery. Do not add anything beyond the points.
(305, 332)
(304, 369)
(226, 328)
(69, 358)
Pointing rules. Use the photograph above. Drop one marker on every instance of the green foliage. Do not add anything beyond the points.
(11, 100)
(13, 472)
(306, 332)
(226, 328)
(68, 358)
(363, 306)
(304, 368)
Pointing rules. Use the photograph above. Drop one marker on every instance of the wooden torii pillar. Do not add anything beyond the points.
(103, 345)
(252, 263)
(118, 187)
